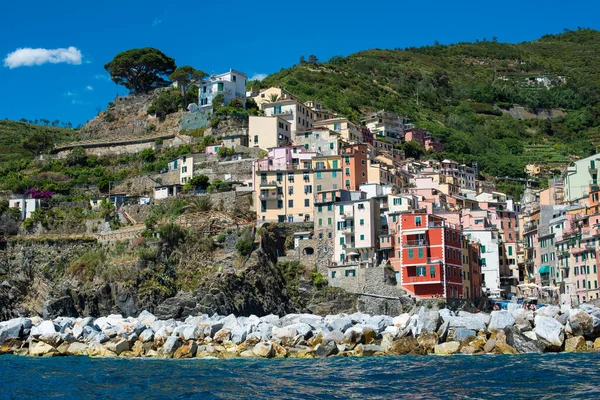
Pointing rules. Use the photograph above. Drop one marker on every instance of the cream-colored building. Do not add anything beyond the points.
(271, 94)
(348, 131)
(320, 140)
(299, 116)
(268, 132)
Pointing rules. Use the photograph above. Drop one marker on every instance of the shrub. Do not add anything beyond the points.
(246, 243)
(317, 279)
(441, 303)
(289, 242)
(167, 102)
(87, 265)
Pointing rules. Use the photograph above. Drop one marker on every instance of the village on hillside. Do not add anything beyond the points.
(362, 208)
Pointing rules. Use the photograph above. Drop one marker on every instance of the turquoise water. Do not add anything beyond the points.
(547, 376)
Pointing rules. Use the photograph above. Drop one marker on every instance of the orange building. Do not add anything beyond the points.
(426, 254)
(354, 164)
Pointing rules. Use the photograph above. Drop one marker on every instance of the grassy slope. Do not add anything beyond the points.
(13, 134)
(459, 92)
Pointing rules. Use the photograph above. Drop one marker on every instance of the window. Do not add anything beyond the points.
(342, 241)
(183, 170)
(418, 221)
(280, 205)
(320, 222)
(219, 87)
(421, 252)
(291, 190)
(362, 222)
(255, 139)
(347, 170)
(329, 234)
(397, 201)
(411, 253)
(319, 175)
(290, 203)
(329, 221)
(334, 174)
(307, 189)
(233, 77)
(432, 271)
(421, 271)
(362, 237)
(330, 146)
(333, 274)
(306, 202)
(350, 272)
(318, 188)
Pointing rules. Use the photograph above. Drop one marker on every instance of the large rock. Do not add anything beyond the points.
(187, 350)
(368, 350)
(447, 348)
(147, 335)
(42, 349)
(335, 335)
(80, 325)
(341, 324)
(521, 342)
(401, 321)
(170, 346)
(77, 349)
(326, 349)
(222, 336)
(305, 330)
(189, 332)
(504, 348)
(427, 322)
(597, 343)
(404, 345)
(581, 323)
(53, 339)
(286, 335)
(45, 328)
(212, 329)
(461, 335)
(575, 344)
(353, 336)
(548, 311)
(468, 321)
(264, 350)
(549, 331)
(500, 320)
(428, 342)
(13, 329)
(117, 346)
(146, 318)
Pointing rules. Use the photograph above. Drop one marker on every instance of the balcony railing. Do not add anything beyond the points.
(414, 243)
(269, 196)
(348, 230)
(268, 183)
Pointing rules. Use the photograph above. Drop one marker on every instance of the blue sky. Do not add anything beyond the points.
(78, 37)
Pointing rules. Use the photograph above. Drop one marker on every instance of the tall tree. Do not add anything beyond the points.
(140, 70)
(186, 76)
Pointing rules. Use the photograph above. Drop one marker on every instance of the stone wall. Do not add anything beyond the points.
(235, 171)
(195, 120)
(132, 146)
(375, 280)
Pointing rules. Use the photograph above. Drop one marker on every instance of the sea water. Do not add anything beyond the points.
(546, 376)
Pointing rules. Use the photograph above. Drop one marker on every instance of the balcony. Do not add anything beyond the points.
(269, 196)
(385, 245)
(349, 246)
(346, 215)
(593, 170)
(435, 225)
(348, 230)
(414, 243)
(268, 184)
(423, 280)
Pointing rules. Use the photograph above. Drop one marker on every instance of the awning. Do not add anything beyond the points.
(544, 270)
(352, 254)
(414, 232)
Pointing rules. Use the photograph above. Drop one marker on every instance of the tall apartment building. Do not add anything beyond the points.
(426, 254)
(356, 236)
(269, 132)
(320, 140)
(386, 125)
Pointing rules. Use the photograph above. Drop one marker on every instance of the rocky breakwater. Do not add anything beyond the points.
(513, 331)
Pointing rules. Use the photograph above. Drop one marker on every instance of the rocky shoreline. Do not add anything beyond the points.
(513, 331)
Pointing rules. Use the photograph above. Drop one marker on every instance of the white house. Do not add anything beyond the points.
(357, 225)
(230, 84)
(26, 206)
(490, 265)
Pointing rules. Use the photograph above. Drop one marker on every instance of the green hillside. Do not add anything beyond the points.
(462, 92)
(20, 141)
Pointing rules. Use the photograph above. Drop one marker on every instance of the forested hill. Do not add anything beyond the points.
(462, 93)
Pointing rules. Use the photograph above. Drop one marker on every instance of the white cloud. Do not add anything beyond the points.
(258, 77)
(26, 57)
(88, 87)
(156, 22)
(102, 77)
(70, 94)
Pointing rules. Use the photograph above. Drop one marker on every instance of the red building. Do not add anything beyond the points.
(426, 254)
(367, 135)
